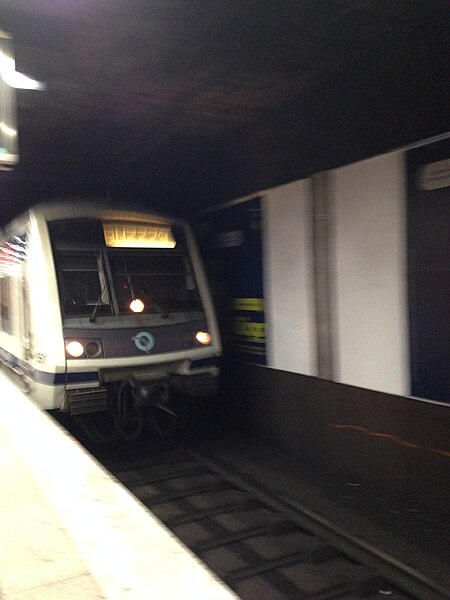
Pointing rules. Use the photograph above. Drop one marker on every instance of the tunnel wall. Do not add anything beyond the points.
(394, 445)
(364, 423)
(384, 244)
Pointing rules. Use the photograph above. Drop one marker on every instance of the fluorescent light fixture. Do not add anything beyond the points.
(22, 82)
(15, 79)
(9, 151)
(7, 130)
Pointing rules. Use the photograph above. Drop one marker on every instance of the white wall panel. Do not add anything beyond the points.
(371, 345)
(288, 278)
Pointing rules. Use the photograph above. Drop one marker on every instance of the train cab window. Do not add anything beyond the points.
(82, 283)
(162, 279)
(76, 233)
(99, 279)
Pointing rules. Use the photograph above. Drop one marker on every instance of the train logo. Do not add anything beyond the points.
(144, 341)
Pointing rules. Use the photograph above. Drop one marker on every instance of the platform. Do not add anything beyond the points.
(69, 530)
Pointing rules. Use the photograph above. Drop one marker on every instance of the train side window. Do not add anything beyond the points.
(5, 306)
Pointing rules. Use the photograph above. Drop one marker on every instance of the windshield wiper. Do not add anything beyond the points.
(103, 292)
(94, 314)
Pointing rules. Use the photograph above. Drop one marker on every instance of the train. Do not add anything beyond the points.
(107, 316)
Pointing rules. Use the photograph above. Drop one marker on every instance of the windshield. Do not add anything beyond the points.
(162, 280)
(82, 283)
(95, 280)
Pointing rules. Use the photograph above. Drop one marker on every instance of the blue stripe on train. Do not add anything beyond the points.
(213, 361)
(62, 378)
(47, 378)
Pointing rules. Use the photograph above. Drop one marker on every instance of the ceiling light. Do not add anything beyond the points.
(7, 130)
(20, 81)
(15, 79)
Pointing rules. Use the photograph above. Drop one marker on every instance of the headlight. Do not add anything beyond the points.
(136, 305)
(93, 349)
(84, 348)
(74, 349)
(203, 338)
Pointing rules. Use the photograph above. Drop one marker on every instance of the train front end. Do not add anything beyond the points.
(140, 334)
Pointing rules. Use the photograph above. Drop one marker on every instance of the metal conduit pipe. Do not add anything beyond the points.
(322, 223)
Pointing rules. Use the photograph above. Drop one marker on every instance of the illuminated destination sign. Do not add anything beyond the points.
(138, 235)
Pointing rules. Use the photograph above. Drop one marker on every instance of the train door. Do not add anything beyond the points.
(25, 334)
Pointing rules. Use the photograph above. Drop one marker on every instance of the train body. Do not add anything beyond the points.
(105, 308)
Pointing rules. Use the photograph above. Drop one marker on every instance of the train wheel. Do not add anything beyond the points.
(127, 412)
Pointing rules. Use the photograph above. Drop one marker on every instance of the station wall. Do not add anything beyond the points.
(370, 261)
(372, 221)
(288, 278)
(368, 276)
(387, 313)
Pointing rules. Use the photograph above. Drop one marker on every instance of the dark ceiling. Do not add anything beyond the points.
(182, 104)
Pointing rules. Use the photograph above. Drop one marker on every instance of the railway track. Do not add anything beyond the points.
(263, 545)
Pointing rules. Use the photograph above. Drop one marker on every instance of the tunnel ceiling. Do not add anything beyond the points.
(182, 104)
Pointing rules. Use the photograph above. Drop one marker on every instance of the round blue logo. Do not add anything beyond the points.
(144, 341)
